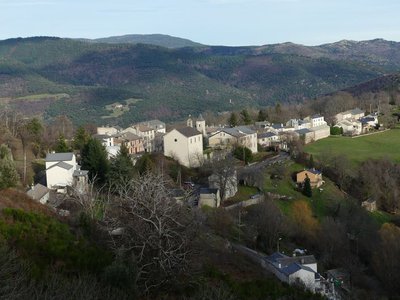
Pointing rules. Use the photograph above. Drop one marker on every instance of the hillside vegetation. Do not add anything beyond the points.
(176, 82)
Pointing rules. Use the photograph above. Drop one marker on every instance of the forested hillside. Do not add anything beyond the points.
(85, 80)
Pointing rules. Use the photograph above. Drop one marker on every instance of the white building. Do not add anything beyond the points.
(316, 121)
(297, 269)
(60, 169)
(267, 139)
(157, 125)
(229, 137)
(185, 145)
(350, 115)
(105, 139)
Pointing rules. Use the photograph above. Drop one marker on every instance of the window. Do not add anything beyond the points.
(175, 140)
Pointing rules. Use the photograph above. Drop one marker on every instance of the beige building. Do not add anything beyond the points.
(185, 145)
(314, 175)
(209, 197)
(229, 137)
(133, 142)
(145, 132)
(105, 130)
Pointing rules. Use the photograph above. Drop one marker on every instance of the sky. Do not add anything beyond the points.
(211, 22)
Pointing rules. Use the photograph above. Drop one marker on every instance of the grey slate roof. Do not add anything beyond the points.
(314, 171)
(266, 135)
(37, 192)
(292, 268)
(303, 131)
(62, 165)
(59, 156)
(277, 126)
(188, 131)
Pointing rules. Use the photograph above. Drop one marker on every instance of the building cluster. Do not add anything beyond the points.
(309, 129)
(355, 122)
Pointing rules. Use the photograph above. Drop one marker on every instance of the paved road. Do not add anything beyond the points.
(277, 159)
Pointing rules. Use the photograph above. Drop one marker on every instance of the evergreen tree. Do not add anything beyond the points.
(307, 191)
(61, 145)
(81, 138)
(121, 167)
(8, 174)
(145, 164)
(243, 154)
(262, 115)
(311, 162)
(233, 120)
(246, 117)
(94, 159)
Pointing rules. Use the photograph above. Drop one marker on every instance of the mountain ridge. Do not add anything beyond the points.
(170, 83)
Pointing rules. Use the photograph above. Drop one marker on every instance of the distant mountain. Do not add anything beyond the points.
(380, 84)
(84, 79)
(162, 40)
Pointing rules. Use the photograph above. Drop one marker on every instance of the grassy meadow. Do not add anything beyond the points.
(357, 150)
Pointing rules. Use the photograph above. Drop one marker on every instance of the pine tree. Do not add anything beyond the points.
(81, 138)
(233, 120)
(121, 167)
(61, 145)
(145, 164)
(246, 117)
(8, 174)
(262, 115)
(94, 160)
(307, 191)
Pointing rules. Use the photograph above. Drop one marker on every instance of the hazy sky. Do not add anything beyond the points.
(222, 22)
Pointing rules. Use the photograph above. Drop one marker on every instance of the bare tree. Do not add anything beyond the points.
(147, 224)
(269, 223)
(223, 175)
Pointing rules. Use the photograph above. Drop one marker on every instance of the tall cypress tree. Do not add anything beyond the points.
(307, 191)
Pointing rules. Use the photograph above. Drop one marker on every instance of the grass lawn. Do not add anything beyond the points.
(320, 200)
(381, 217)
(380, 145)
(244, 193)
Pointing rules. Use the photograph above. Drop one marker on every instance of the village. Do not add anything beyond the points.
(197, 143)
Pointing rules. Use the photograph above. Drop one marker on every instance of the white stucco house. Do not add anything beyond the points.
(267, 139)
(62, 171)
(185, 145)
(297, 269)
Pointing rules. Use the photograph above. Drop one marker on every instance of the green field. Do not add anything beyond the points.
(380, 145)
(320, 201)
